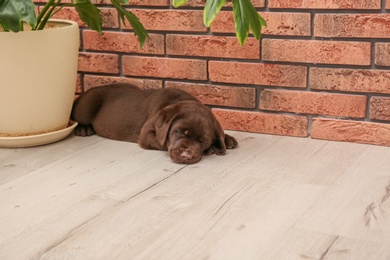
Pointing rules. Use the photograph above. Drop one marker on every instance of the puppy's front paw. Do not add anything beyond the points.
(209, 151)
(84, 130)
(230, 142)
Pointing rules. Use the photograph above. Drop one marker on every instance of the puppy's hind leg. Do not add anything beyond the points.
(84, 111)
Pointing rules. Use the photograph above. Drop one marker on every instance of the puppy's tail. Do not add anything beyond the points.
(86, 107)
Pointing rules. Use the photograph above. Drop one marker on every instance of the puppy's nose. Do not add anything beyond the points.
(187, 155)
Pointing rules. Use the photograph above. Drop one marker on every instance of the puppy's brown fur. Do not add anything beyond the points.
(163, 119)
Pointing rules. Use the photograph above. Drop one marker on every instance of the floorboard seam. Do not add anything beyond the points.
(118, 205)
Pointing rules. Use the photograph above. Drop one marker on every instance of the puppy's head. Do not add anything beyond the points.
(188, 130)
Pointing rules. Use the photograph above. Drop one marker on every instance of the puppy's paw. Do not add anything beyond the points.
(84, 130)
(209, 151)
(230, 142)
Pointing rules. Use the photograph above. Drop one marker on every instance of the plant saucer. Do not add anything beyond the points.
(35, 140)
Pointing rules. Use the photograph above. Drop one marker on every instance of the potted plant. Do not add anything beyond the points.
(38, 68)
(38, 64)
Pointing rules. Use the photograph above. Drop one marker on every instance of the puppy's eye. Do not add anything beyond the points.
(181, 132)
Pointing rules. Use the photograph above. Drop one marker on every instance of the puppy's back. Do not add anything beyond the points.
(161, 98)
(88, 104)
(113, 111)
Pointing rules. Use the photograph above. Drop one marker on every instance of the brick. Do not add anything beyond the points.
(69, 13)
(382, 53)
(98, 63)
(387, 4)
(255, 3)
(97, 2)
(69, 1)
(351, 131)
(212, 46)
(308, 51)
(149, 2)
(172, 20)
(197, 3)
(133, 2)
(352, 25)
(79, 84)
(45, 1)
(164, 67)
(123, 42)
(91, 81)
(109, 15)
(258, 122)
(258, 73)
(380, 108)
(243, 97)
(291, 24)
(325, 4)
(350, 80)
(314, 103)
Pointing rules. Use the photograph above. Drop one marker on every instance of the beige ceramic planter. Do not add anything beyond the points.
(38, 71)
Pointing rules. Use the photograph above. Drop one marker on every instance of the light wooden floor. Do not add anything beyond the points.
(273, 198)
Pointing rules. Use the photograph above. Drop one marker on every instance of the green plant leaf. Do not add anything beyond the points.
(89, 14)
(139, 29)
(13, 13)
(241, 20)
(245, 17)
(211, 10)
(262, 21)
(254, 20)
(177, 3)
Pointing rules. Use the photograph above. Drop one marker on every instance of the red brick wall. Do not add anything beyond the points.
(322, 68)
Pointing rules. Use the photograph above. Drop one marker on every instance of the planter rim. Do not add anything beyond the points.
(66, 23)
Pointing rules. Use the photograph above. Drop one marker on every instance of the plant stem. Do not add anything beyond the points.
(61, 7)
(43, 12)
(48, 15)
(2, 27)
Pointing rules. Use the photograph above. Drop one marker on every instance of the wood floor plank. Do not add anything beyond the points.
(303, 244)
(17, 162)
(210, 205)
(41, 207)
(274, 197)
(160, 226)
(358, 204)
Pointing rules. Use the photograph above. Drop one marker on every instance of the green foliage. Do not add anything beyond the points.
(245, 16)
(135, 23)
(177, 3)
(211, 10)
(90, 14)
(13, 14)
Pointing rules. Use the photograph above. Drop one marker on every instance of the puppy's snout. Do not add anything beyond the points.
(187, 155)
(182, 153)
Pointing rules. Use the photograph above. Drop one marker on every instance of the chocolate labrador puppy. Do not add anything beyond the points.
(161, 119)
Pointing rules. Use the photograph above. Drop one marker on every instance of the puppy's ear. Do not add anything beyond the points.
(219, 145)
(163, 124)
(222, 141)
(155, 131)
